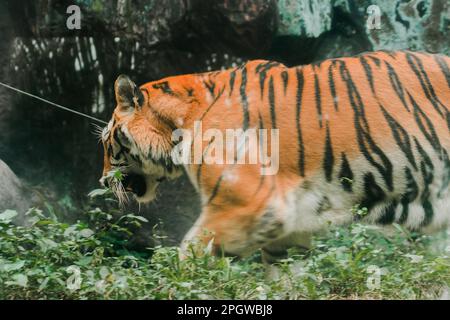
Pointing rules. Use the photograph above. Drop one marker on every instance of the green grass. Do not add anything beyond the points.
(89, 260)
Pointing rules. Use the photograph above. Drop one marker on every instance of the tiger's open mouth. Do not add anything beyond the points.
(135, 183)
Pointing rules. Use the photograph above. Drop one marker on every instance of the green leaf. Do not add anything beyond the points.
(118, 175)
(43, 284)
(70, 231)
(104, 272)
(84, 261)
(86, 233)
(7, 215)
(140, 218)
(97, 192)
(47, 244)
(12, 266)
(18, 280)
(44, 222)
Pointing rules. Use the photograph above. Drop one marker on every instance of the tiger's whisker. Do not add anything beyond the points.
(97, 131)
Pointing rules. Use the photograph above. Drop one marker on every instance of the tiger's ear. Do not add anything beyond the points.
(128, 94)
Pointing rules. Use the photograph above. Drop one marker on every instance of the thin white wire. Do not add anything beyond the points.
(53, 104)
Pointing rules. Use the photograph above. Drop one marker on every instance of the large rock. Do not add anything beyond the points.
(13, 194)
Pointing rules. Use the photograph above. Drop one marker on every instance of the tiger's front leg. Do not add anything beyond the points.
(275, 251)
(236, 231)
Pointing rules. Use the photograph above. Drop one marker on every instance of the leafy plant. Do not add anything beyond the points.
(49, 259)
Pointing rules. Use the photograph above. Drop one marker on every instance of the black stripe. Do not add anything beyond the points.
(122, 148)
(401, 137)
(332, 85)
(424, 154)
(410, 194)
(425, 82)
(262, 79)
(260, 121)
(366, 144)
(244, 101)
(443, 66)
(346, 174)
(375, 60)
(266, 66)
(397, 85)
(373, 193)
(122, 139)
(273, 116)
(427, 169)
(298, 105)
(232, 79)
(318, 97)
(262, 70)
(368, 72)
(385, 167)
(210, 85)
(328, 159)
(285, 78)
(426, 126)
(387, 215)
(429, 213)
(200, 166)
(164, 87)
(146, 92)
(189, 91)
(446, 175)
(354, 96)
(261, 176)
(428, 208)
(212, 104)
(215, 189)
(448, 120)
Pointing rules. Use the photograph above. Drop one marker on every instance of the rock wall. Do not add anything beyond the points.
(5, 52)
(415, 25)
(247, 27)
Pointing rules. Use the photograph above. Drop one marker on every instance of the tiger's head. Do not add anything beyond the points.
(137, 140)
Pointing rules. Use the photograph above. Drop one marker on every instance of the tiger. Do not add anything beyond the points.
(369, 131)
